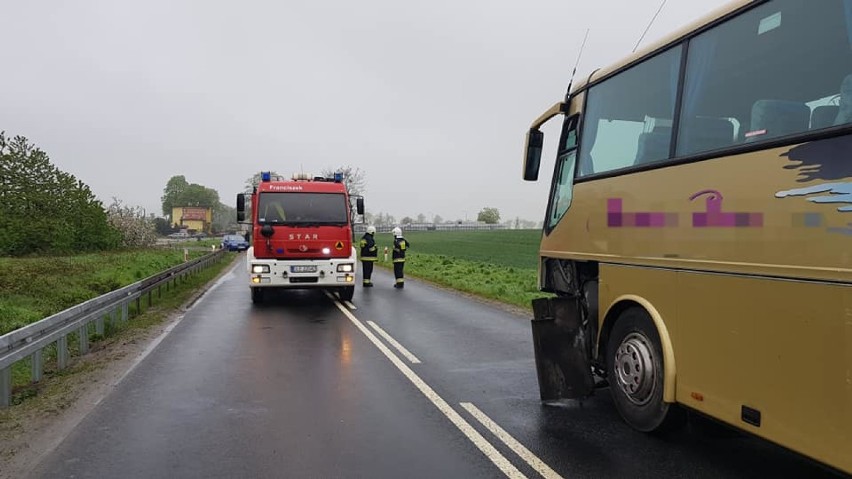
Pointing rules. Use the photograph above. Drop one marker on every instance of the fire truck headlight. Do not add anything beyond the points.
(326, 251)
(345, 268)
(260, 268)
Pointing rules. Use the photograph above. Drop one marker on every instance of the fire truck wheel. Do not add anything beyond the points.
(256, 295)
(635, 373)
(346, 293)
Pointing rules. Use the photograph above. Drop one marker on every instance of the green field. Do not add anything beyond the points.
(500, 265)
(511, 248)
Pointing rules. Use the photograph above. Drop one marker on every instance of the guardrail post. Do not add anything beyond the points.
(62, 353)
(125, 312)
(84, 338)
(149, 298)
(138, 305)
(6, 387)
(37, 366)
(99, 326)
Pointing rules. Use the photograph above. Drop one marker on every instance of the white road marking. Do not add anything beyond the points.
(350, 305)
(412, 358)
(472, 434)
(513, 444)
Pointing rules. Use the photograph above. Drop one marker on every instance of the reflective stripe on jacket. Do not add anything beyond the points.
(400, 246)
(369, 251)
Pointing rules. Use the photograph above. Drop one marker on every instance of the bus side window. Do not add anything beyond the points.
(653, 146)
(824, 116)
(845, 114)
(704, 134)
(628, 116)
(774, 118)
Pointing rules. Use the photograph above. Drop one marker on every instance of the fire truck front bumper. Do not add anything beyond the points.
(302, 273)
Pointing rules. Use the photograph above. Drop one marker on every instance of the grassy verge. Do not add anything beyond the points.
(499, 265)
(34, 288)
(90, 274)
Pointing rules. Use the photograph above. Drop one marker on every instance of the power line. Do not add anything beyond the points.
(649, 24)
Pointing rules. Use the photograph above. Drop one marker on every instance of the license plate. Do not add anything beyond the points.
(303, 269)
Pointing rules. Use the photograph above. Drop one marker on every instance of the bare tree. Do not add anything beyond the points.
(252, 182)
(354, 178)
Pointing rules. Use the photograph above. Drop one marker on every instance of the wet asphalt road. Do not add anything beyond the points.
(296, 388)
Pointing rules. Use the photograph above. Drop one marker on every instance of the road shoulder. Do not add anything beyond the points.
(31, 430)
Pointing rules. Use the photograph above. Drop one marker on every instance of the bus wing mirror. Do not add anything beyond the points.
(359, 205)
(241, 207)
(532, 159)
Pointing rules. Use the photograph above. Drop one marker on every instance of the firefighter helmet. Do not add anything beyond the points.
(397, 232)
(371, 230)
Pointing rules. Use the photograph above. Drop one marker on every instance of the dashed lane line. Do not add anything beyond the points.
(513, 444)
(405, 352)
(472, 434)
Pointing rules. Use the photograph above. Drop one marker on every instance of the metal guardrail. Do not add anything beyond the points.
(31, 340)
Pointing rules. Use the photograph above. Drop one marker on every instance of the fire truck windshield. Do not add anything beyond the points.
(299, 208)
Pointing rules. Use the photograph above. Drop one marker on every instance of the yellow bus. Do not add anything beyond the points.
(698, 233)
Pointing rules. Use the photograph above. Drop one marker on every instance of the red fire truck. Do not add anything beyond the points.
(301, 234)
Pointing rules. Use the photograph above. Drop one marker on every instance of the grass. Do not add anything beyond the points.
(34, 288)
(124, 268)
(500, 265)
(509, 248)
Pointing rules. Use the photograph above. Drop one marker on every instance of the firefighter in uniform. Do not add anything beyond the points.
(400, 246)
(369, 255)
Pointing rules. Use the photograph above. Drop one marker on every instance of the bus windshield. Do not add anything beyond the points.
(302, 209)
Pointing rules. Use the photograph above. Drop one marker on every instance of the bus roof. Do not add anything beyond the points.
(670, 39)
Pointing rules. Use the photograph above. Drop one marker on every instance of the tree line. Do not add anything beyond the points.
(45, 210)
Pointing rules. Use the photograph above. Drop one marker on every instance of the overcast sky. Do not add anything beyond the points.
(430, 99)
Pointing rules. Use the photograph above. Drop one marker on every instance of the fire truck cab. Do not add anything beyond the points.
(301, 234)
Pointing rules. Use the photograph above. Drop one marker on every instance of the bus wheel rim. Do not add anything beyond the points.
(634, 368)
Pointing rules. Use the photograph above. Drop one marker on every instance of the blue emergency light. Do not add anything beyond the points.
(265, 176)
(338, 177)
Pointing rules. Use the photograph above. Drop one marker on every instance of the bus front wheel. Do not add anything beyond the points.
(635, 372)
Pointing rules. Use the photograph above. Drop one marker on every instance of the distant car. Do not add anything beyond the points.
(234, 243)
(179, 235)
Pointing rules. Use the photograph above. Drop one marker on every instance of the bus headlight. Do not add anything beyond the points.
(260, 268)
(345, 268)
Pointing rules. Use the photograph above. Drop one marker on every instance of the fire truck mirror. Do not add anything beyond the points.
(241, 207)
(359, 205)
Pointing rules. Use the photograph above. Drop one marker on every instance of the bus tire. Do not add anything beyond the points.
(256, 295)
(346, 293)
(635, 372)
